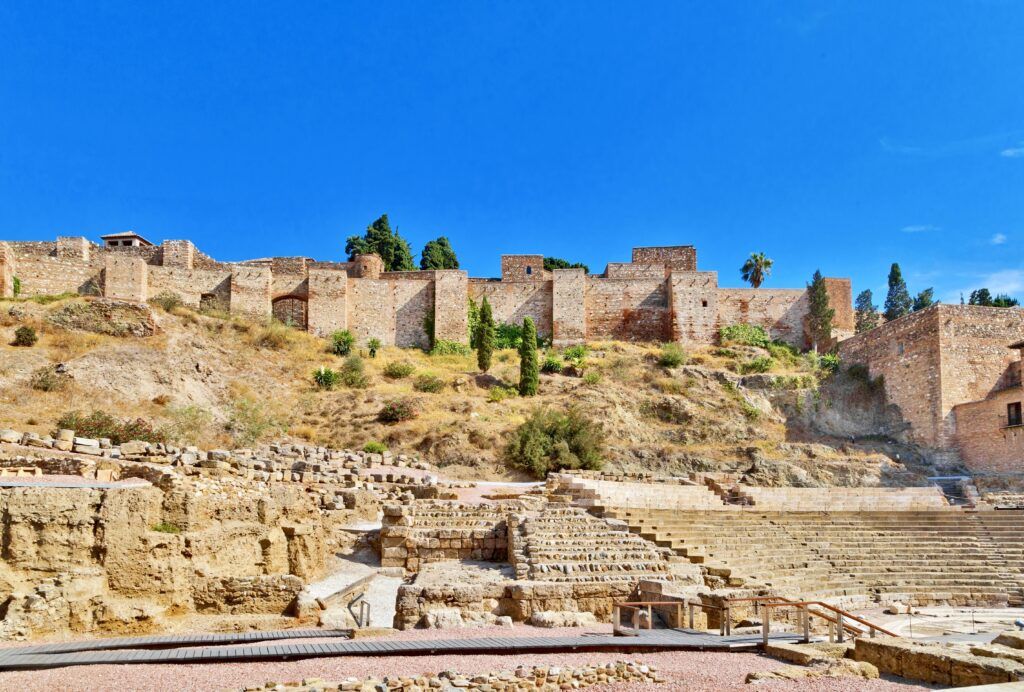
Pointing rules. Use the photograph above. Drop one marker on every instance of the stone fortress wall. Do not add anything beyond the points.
(658, 296)
(952, 370)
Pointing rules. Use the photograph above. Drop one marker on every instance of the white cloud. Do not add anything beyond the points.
(1013, 152)
(919, 228)
(998, 239)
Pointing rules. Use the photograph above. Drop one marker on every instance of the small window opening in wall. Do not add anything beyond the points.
(703, 303)
(1013, 414)
(529, 270)
(899, 348)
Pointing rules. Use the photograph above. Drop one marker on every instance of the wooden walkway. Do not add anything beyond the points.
(258, 646)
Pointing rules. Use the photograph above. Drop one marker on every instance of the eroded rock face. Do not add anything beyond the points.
(103, 316)
(562, 618)
(119, 559)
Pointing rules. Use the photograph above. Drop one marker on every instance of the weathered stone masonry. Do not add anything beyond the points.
(658, 296)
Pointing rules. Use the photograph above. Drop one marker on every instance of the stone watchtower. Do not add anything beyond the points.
(368, 266)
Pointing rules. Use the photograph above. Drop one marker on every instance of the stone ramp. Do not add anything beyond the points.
(209, 648)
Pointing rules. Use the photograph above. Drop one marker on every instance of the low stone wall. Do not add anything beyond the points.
(518, 600)
(270, 594)
(936, 664)
(432, 531)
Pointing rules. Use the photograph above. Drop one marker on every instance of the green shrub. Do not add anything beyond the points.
(165, 527)
(500, 392)
(189, 423)
(428, 383)
(725, 353)
(829, 362)
(373, 345)
(326, 378)
(167, 300)
(48, 379)
(250, 421)
(784, 353)
(551, 365)
(746, 334)
(575, 355)
(374, 447)
(508, 336)
(341, 342)
(671, 356)
(398, 370)
(591, 377)
(17, 287)
(449, 348)
(551, 440)
(101, 424)
(751, 412)
(273, 335)
(759, 364)
(25, 336)
(398, 410)
(353, 373)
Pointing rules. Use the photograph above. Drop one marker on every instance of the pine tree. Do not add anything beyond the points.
(867, 312)
(438, 254)
(380, 239)
(981, 296)
(485, 337)
(924, 299)
(819, 315)
(529, 373)
(897, 302)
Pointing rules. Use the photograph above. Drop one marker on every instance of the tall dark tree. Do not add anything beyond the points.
(924, 299)
(867, 311)
(380, 239)
(981, 296)
(529, 371)
(897, 302)
(1004, 301)
(485, 337)
(438, 254)
(756, 269)
(819, 313)
(552, 263)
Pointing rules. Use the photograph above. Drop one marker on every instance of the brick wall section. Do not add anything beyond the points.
(290, 284)
(368, 266)
(629, 310)
(180, 254)
(192, 284)
(840, 299)
(938, 358)
(781, 311)
(392, 310)
(45, 275)
(906, 353)
(568, 307)
(125, 278)
(328, 301)
(250, 291)
(73, 247)
(693, 297)
(451, 304)
(6, 271)
(985, 442)
(677, 258)
(514, 268)
(626, 270)
(511, 302)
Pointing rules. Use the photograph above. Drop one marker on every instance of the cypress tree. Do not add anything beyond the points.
(867, 312)
(819, 316)
(529, 374)
(898, 301)
(485, 337)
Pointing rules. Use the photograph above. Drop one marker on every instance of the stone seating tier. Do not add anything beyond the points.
(920, 557)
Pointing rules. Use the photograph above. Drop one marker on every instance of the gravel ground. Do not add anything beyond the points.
(683, 670)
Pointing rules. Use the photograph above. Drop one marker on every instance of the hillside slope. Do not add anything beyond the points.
(214, 380)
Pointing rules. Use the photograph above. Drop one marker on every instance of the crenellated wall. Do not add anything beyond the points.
(659, 296)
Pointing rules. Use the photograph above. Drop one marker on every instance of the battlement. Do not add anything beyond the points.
(658, 296)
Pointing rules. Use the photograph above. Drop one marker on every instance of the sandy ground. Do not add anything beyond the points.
(683, 670)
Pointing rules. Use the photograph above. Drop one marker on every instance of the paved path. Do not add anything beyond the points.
(252, 646)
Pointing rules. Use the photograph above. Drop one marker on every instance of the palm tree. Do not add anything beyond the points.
(756, 269)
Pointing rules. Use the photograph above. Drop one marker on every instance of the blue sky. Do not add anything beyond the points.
(834, 135)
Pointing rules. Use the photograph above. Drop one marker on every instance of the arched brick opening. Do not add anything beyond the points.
(291, 310)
